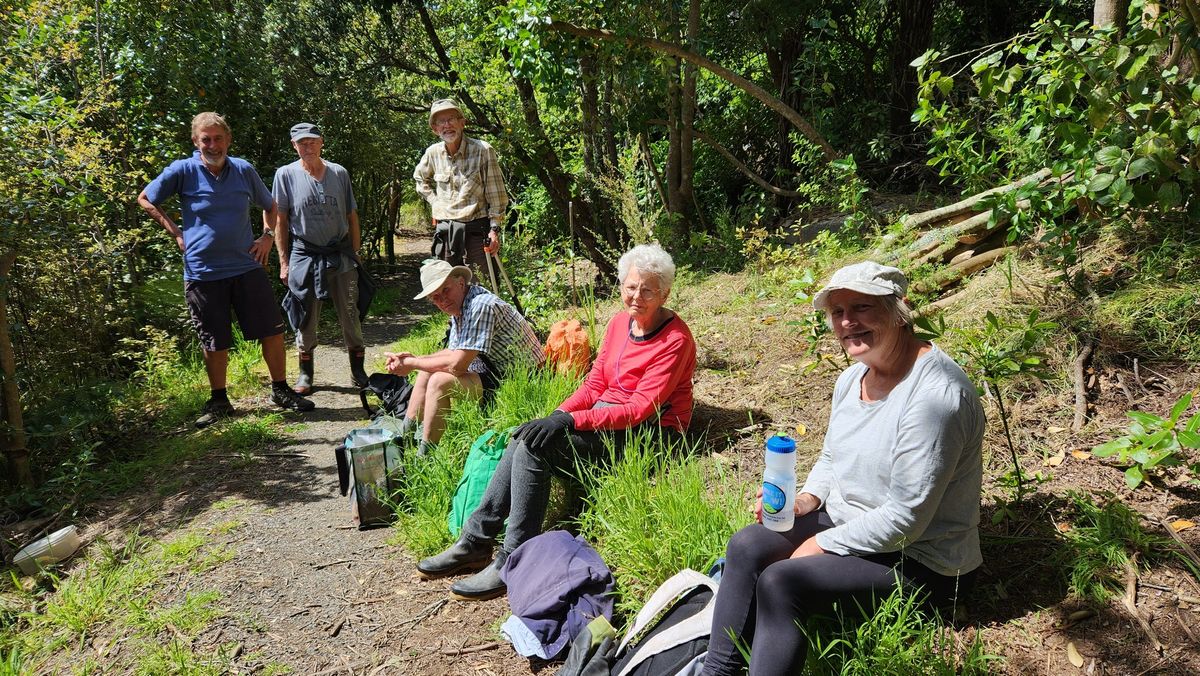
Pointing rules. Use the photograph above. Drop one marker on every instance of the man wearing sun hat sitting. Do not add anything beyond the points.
(487, 339)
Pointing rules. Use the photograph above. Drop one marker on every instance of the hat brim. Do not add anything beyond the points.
(821, 300)
(305, 135)
(432, 288)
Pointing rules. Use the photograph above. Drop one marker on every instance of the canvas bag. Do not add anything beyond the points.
(367, 461)
(669, 636)
(481, 464)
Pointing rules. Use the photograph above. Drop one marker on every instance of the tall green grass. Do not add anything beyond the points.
(111, 593)
(427, 484)
(655, 511)
(898, 638)
(1101, 541)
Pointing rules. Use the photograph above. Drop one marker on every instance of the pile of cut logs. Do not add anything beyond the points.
(962, 236)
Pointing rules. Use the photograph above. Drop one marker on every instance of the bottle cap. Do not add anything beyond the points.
(781, 444)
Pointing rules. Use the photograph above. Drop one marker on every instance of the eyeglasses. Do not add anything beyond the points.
(643, 292)
(446, 121)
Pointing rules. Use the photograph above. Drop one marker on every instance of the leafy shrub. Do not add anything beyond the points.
(1154, 441)
(1110, 111)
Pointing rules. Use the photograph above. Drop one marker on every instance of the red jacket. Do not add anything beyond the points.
(639, 376)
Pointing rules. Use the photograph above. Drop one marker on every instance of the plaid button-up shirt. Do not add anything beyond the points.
(492, 327)
(464, 186)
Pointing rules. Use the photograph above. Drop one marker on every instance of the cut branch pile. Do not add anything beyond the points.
(959, 233)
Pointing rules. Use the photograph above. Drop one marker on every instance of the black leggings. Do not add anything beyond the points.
(765, 596)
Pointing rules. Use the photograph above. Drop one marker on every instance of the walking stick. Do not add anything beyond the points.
(492, 271)
(507, 282)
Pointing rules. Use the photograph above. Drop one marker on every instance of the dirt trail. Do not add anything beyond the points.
(305, 589)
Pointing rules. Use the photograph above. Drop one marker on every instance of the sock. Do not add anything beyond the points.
(219, 395)
(405, 425)
(425, 447)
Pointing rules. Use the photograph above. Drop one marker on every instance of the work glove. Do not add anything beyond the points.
(539, 432)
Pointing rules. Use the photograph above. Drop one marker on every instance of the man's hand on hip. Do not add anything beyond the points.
(261, 249)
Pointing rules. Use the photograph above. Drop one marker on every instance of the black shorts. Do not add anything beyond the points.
(248, 294)
(490, 384)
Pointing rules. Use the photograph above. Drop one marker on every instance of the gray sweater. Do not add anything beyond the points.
(905, 473)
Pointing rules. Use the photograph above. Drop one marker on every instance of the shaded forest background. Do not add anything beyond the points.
(705, 125)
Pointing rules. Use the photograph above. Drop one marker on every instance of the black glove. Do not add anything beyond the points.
(539, 432)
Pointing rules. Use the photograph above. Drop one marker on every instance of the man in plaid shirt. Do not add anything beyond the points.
(488, 339)
(461, 180)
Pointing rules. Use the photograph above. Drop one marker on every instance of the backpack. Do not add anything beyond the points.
(481, 463)
(568, 349)
(669, 636)
(393, 392)
(367, 461)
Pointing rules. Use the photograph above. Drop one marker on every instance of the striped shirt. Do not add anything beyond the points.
(493, 328)
(465, 186)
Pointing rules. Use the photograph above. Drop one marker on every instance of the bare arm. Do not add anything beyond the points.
(261, 248)
(444, 361)
(355, 231)
(283, 241)
(161, 218)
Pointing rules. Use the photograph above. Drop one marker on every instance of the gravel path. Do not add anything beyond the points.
(305, 589)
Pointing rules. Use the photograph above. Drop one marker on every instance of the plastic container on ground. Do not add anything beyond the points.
(779, 484)
(55, 547)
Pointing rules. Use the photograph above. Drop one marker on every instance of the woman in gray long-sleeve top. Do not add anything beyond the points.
(893, 497)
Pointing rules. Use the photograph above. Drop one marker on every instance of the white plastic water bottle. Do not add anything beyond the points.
(779, 484)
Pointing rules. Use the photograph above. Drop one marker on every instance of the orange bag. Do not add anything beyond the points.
(568, 349)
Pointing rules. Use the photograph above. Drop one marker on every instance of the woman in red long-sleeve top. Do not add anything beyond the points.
(642, 377)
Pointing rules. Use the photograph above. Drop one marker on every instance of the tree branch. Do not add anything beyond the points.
(736, 162)
(720, 71)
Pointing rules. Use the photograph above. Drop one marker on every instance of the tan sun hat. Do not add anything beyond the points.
(434, 274)
(866, 277)
(442, 105)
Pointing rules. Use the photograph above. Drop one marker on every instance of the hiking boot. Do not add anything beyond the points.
(484, 585)
(358, 375)
(214, 410)
(461, 557)
(285, 398)
(304, 381)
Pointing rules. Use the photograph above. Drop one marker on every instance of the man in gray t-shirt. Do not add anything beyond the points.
(318, 238)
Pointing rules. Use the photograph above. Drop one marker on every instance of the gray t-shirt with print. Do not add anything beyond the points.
(316, 210)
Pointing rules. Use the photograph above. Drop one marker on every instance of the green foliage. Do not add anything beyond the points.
(997, 353)
(1154, 441)
(114, 590)
(1156, 318)
(1102, 541)
(1110, 111)
(897, 638)
(654, 511)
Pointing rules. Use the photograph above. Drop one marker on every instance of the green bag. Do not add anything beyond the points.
(481, 463)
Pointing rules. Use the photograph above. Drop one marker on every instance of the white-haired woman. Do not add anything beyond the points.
(892, 499)
(642, 376)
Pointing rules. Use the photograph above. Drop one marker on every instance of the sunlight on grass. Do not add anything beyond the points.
(898, 638)
(656, 511)
(115, 589)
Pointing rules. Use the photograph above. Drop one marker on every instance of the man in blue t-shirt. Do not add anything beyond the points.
(223, 264)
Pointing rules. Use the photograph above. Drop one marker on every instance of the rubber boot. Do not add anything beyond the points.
(358, 375)
(304, 381)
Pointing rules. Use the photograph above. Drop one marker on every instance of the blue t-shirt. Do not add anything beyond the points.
(216, 214)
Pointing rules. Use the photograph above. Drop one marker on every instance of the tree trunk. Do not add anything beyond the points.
(1107, 13)
(912, 39)
(13, 435)
(720, 71)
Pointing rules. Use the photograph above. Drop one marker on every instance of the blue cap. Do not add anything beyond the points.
(781, 444)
